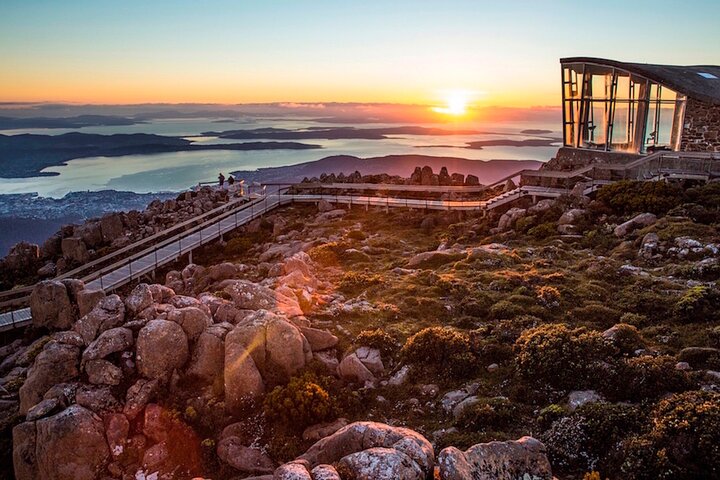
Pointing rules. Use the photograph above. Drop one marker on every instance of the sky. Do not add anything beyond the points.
(496, 53)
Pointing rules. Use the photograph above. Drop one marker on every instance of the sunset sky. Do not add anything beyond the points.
(401, 51)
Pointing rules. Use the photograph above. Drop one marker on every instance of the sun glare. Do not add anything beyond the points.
(456, 102)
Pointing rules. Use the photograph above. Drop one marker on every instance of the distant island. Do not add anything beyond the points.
(80, 121)
(536, 131)
(27, 155)
(334, 133)
(504, 142)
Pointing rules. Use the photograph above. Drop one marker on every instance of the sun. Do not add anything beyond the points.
(456, 102)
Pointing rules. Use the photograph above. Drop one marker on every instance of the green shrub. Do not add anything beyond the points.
(506, 310)
(596, 313)
(356, 235)
(683, 442)
(626, 338)
(544, 230)
(550, 414)
(697, 304)
(377, 338)
(489, 414)
(561, 357)
(548, 296)
(630, 197)
(645, 377)
(441, 349)
(353, 282)
(300, 403)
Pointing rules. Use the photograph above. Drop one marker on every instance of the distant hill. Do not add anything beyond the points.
(403, 165)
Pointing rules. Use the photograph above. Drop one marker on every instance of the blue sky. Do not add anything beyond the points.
(388, 51)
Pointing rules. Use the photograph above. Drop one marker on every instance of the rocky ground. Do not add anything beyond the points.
(576, 338)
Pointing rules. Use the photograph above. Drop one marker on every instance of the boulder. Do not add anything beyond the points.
(70, 445)
(97, 398)
(139, 299)
(251, 296)
(472, 180)
(90, 233)
(138, 395)
(314, 433)
(117, 429)
(359, 436)
(379, 462)
(541, 206)
(508, 219)
(208, 358)
(292, 471)
(57, 363)
(324, 206)
(325, 472)
(111, 226)
(248, 460)
(331, 215)
(242, 378)
(109, 342)
(108, 313)
(319, 339)
(433, 258)
(50, 306)
(370, 357)
(701, 357)
(572, 216)
(87, 299)
(516, 459)
(193, 321)
(639, 221)
(103, 372)
(352, 369)
(162, 346)
(74, 250)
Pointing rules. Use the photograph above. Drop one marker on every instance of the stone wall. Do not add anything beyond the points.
(701, 131)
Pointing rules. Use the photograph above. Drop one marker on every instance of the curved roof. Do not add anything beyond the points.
(692, 80)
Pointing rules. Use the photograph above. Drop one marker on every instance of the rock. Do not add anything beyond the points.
(324, 206)
(400, 376)
(97, 398)
(292, 471)
(433, 258)
(139, 299)
(683, 366)
(24, 450)
(701, 357)
(250, 296)
(508, 219)
(42, 409)
(74, 250)
(108, 313)
(493, 367)
(319, 339)
(50, 306)
(117, 429)
(331, 215)
(111, 226)
(314, 433)
(572, 216)
(328, 359)
(48, 270)
(245, 459)
(193, 321)
(360, 436)
(57, 363)
(426, 174)
(472, 180)
(325, 472)
(465, 403)
(370, 357)
(243, 381)
(70, 445)
(109, 342)
(541, 206)
(155, 457)
(208, 358)
(649, 245)
(103, 372)
(512, 460)
(639, 221)
(578, 398)
(380, 462)
(138, 395)
(276, 346)
(21, 257)
(87, 299)
(352, 369)
(162, 346)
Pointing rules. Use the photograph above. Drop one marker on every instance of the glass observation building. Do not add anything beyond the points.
(637, 108)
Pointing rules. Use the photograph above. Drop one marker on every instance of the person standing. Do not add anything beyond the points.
(221, 180)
